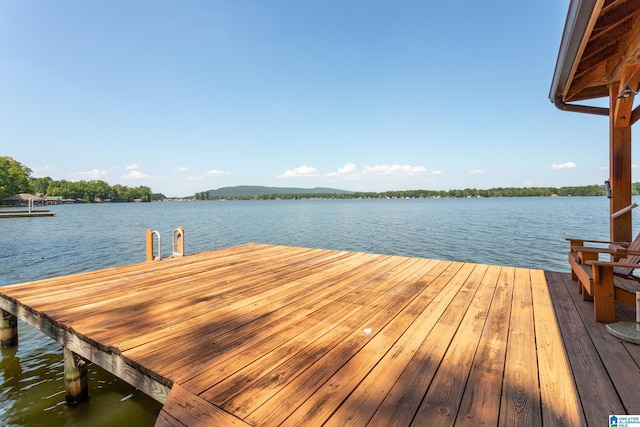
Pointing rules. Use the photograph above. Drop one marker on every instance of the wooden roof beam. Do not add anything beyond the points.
(605, 36)
(587, 65)
(630, 56)
(595, 77)
(624, 101)
(602, 44)
(615, 13)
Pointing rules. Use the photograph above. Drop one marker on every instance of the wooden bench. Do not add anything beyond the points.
(605, 282)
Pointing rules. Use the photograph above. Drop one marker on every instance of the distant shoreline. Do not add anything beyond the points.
(244, 193)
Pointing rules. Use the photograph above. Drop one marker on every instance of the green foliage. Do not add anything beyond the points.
(40, 185)
(203, 195)
(14, 177)
(250, 191)
(244, 193)
(589, 190)
(91, 191)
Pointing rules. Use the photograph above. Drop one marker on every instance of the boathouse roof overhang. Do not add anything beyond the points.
(600, 45)
(599, 57)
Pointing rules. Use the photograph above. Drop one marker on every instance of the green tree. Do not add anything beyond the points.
(14, 177)
(41, 185)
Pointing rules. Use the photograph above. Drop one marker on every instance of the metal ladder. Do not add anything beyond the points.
(177, 248)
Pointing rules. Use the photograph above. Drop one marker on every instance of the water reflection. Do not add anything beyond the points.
(520, 232)
(32, 393)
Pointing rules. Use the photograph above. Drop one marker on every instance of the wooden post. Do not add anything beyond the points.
(76, 384)
(180, 240)
(604, 303)
(8, 330)
(619, 170)
(149, 245)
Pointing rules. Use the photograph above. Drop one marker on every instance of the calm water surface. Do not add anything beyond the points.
(527, 232)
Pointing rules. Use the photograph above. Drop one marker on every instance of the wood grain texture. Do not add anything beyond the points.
(271, 335)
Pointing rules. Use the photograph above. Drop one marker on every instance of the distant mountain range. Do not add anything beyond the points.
(255, 190)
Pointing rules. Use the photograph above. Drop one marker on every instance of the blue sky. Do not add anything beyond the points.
(358, 95)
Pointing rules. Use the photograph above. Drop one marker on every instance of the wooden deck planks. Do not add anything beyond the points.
(288, 398)
(590, 374)
(480, 403)
(403, 400)
(300, 303)
(602, 362)
(198, 316)
(391, 340)
(262, 358)
(272, 335)
(559, 395)
(441, 403)
(520, 401)
(194, 412)
(208, 306)
(341, 340)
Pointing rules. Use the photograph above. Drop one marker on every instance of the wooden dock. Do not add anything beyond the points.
(268, 335)
(24, 213)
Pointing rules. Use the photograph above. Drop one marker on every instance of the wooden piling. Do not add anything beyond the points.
(76, 384)
(149, 245)
(8, 330)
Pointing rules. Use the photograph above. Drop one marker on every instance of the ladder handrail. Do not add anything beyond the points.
(150, 249)
(177, 246)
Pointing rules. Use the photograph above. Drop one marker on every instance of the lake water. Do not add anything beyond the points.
(523, 232)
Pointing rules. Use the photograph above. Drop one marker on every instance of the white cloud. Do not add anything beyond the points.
(216, 172)
(92, 174)
(181, 169)
(135, 174)
(132, 167)
(567, 165)
(476, 171)
(348, 170)
(300, 171)
(195, 178)
(351, 172)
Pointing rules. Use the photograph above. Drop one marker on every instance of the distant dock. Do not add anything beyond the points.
(25, 213)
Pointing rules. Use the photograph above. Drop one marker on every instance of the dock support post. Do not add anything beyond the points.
(8, 330)
(150, 246)
(76, 384)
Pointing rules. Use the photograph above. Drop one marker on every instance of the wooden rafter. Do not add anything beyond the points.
(615, 13)
(612, 45)
(624, 101)
(596, 76)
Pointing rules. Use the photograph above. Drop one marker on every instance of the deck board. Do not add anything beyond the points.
(480, 404)
(271, 335)
(591, 376)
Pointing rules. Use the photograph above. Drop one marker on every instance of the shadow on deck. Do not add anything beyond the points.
(271, 335)
(606, 370)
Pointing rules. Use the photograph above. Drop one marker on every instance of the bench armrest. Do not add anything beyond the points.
(613, 264)
(604, 242)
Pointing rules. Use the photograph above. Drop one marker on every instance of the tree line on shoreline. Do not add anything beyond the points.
(588, 190)
(15, 178)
